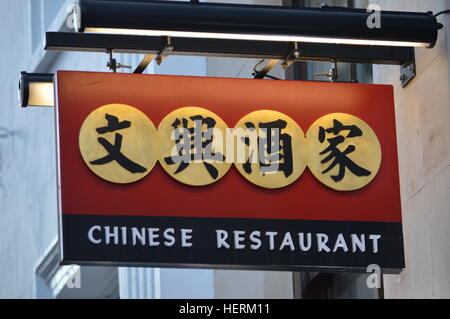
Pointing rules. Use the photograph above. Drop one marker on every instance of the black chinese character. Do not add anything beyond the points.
(274, 150)
(338, 157)
(114, 153)
(193, 143)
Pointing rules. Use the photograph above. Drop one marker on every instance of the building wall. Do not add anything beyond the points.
(28, 209)
(423, 131)
(28, 191)
(27, 161)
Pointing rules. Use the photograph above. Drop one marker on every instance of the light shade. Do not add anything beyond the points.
(250, 22)
(36, 89)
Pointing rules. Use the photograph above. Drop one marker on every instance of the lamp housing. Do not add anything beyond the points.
(254, 22)
(36, 89)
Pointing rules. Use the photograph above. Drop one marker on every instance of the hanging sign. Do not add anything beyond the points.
(227, 173)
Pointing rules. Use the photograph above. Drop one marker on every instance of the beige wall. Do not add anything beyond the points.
(423, 130)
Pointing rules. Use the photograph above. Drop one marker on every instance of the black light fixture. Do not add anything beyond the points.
(252, 22)
(36, 89)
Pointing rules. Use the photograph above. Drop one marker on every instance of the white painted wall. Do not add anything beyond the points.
(423, 130)
(27, 162)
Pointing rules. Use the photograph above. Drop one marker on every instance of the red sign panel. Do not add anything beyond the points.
(362, 227)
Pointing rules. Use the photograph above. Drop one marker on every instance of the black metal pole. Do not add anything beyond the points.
(353, 66)
(299, 70)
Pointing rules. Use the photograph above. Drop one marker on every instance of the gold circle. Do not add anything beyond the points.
(139, 143)
(196, 172)
(366, 152)
(281, 176)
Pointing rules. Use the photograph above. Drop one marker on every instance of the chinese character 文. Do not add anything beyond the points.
(335, 155)
(194, 144)
(114, 151)
(274, 149)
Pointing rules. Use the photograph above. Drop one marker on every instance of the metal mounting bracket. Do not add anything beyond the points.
(408, 70)
(332, 75)
(144, 63)
(260, 74)
(293, 57)
(112, 64)
(165, 51)
(89, 42)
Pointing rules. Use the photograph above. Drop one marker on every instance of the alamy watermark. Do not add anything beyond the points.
(73, 21)
(374, 20)
(236, 145)
(74, 277)
(374, 279)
